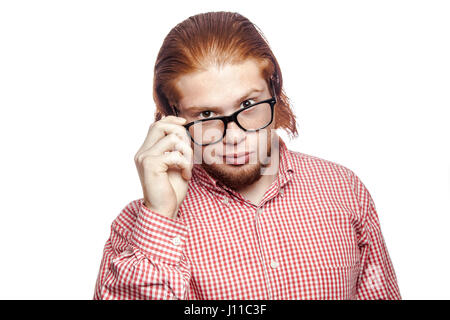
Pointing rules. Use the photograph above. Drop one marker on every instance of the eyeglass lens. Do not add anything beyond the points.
(212, 131)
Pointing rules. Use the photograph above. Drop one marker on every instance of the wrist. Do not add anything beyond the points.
(166, 213)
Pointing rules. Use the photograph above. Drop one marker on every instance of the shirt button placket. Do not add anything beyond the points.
(258, 233)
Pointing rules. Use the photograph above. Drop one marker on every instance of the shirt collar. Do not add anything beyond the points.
(286, 166)
(285, 170)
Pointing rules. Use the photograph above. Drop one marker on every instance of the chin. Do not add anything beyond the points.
(234, 176)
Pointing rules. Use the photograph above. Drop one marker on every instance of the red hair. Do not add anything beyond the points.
(216, 38)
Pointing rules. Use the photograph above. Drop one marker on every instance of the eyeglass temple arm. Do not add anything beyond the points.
(174, 110)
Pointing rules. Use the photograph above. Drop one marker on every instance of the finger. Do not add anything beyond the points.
(169, 143)
(173, 119)
(159, 130)
(186, 150)
(165, 128)
(175, 159)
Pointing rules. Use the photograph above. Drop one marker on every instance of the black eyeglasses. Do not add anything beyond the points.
(251, 118)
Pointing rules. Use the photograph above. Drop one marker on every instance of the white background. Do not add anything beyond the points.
(369, 82)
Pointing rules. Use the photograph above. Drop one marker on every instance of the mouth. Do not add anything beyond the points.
(237, 158)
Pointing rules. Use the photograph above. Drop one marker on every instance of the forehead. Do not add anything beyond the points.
(219, 85)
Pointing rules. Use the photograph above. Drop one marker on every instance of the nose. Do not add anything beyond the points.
(234, 135)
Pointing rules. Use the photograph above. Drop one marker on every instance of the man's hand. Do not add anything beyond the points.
(164, 163)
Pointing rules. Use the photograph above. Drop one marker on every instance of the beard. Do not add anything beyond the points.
(237, 177)
(234, 177)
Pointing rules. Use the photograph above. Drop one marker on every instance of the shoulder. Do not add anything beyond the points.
(334, 182)
(306, 164)
(326, 174)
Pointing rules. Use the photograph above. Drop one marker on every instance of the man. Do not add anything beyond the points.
(228, 211)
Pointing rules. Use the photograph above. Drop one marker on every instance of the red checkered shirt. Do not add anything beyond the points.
(314, 235)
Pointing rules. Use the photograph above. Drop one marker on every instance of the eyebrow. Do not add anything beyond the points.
(245, 96)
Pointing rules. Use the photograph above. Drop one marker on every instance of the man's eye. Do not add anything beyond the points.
(247, 102)
(205, 114)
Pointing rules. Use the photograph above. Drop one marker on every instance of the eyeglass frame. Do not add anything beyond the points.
(233, 118)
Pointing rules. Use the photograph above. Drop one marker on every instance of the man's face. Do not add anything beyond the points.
(220, 92)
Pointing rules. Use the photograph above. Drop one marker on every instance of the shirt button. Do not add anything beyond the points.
(282, 191)
(176, 241)
(225, 201)
(274, 264)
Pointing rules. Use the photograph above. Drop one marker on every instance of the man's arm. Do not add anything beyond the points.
(143, 258)
(377, 279)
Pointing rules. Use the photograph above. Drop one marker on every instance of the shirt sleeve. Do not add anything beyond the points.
(144, 257)
(377, 279)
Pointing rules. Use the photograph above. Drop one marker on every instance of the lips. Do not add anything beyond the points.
(236, 155)
(237, 158)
